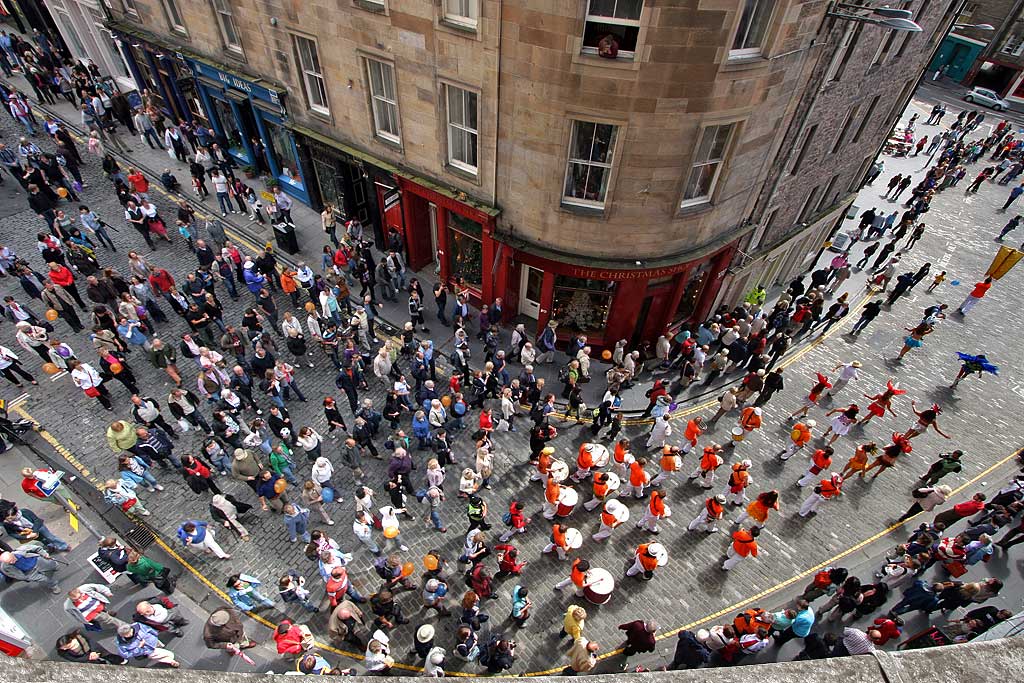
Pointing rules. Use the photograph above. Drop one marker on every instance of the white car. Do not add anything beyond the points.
(987, 98)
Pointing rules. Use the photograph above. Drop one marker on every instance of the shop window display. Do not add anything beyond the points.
(691, 294)
(226, 116)
(581, 304)
(284, 151)
(465, 249)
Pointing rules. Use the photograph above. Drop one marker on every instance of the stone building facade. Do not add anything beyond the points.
(610, 164)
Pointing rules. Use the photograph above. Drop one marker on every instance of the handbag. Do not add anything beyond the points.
(956, 568)
(92, 392)
(327, 493)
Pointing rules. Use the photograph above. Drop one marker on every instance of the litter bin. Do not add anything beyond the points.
(284, 235)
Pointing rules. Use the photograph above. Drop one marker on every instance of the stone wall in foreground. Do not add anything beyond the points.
(989, 661)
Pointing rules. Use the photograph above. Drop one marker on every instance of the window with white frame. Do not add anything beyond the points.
(312, 74)
(707, 164)
(612, 28)
(1014, 45)
(462, 12)
(384, 100)
(462, 128)
(589, 166)
(755, 18)
(174, 15)
(226, 20)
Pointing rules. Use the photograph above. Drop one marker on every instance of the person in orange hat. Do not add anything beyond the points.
(622, 457)
(713, 510)
(656, 509)
(543, 466)
(552, 490)
(671, 461)
(744, 545)
(739, 480)
(800, 436)
(577, 576)
(694, 428)
(601, 491)
(758, 509)
(558, 542)
(710, 461)
(638, 479)
(613, 515)
(645, 560)
(827, 489)
(821, 460)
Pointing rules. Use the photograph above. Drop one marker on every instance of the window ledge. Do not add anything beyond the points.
(694, 209)
(463, 173)
(180, 31)
(588, 211)
(369, 6)
(605, 63)
(390, 144)
(745, 63)
(459, 27)
(323, 117)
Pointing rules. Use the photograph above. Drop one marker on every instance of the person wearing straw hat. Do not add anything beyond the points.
(847, 373)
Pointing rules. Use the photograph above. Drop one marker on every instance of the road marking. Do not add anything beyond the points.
(547, 672)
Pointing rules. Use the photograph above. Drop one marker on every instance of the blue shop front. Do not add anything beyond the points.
(250, 115)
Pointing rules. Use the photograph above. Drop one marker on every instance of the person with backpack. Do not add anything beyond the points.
(546, 343)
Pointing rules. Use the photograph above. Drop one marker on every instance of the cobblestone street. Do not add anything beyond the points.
(983, 417)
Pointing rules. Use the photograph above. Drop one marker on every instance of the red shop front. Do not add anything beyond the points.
(609, 304)
(441, 228)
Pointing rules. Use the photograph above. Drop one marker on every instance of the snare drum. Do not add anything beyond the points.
(738, 434)
(613, 482)
(573, 538)
(559, 471)
(601, 586)
(567, 499)
(617, 510)
(658, 550)
(599, 454)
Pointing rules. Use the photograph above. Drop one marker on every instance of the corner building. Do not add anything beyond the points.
(620, 166)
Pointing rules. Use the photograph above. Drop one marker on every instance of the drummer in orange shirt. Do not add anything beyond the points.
(552, 490)
(694, 428)
(543, 464)
(613, 514)
(656, 509)
(671, 461)
(638, 479)
(744, 545)
(710, 461)
(601, 490)
(645, 559)
(713, 510)
(584, 462)
(577, 576)
(558, 542)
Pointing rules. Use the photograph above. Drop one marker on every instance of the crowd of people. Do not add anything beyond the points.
(225, 431)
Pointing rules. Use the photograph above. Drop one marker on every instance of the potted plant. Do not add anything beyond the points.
(249, 172)
(271, 183)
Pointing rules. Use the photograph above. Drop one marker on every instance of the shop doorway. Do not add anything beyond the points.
(530, 282)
